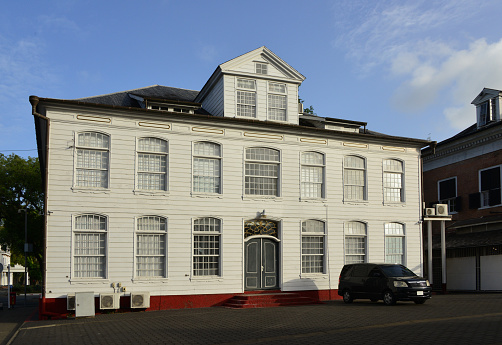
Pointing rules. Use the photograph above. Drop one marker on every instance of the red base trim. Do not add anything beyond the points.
(55, 308)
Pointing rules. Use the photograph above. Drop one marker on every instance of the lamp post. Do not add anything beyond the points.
(25, 249)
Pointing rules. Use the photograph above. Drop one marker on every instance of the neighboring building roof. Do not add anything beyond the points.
(470, 240)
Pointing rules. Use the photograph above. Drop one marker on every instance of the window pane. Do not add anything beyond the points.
(90, 222)
(245, 83)
(394, 229)
(207, 224)
(313, 226)
(394, 249)
(312, 254)
(262, 154)
(206, 248)
(93, 139)
(206, 149)
(355, 228)
(152, 145)
(152, 223)
(312, 158)
(275, 87)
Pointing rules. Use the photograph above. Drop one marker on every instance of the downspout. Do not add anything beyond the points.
(34, 100)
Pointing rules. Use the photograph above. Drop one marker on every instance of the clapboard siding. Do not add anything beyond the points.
(213, 103)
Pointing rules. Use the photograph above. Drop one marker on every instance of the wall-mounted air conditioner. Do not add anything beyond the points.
(140, 300)
(430, 211)
(70, 302)
(109, 301)
(441, 210)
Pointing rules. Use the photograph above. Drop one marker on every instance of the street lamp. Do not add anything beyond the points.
(25, 249)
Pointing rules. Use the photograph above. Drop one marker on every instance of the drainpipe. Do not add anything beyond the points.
(34, 100)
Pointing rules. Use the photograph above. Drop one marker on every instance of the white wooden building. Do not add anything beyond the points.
(190, 197)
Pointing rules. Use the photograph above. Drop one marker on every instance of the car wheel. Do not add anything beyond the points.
(419, 300)
(347, 297)
(388, 298)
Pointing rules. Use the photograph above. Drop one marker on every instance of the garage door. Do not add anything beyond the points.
(491, 272)
(461, 273)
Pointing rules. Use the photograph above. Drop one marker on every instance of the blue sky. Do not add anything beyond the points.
(408, 68)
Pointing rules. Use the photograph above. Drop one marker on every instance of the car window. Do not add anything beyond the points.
(346, 271)
(397, 271)
(375, 273)
(361, 270)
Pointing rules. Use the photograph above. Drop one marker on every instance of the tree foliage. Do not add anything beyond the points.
(21, 188)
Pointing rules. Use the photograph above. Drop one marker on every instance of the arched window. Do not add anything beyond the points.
(206, 167)
(151, 246)
(355, 242)
(354, 178)
(393, 180)
(394, 243)
(92, 166)
(206, 246)
(262, 171)
(152, 164)
(313, 234)
(89, 253)
(312, 175)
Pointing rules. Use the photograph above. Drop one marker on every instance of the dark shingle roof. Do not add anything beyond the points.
(156, 91)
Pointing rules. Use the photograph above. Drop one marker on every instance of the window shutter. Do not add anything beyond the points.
(458, 204)
(494, 196)
(474, 200)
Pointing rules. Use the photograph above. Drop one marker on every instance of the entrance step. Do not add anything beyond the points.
(266, 300)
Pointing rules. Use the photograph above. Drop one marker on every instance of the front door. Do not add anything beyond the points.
(261, 264)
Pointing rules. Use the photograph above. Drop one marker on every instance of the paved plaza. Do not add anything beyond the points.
(445, 319)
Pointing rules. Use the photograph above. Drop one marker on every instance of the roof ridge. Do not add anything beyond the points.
(132, 90)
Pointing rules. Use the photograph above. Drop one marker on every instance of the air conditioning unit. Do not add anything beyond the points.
(140, 300)
(441, 210)
(109, 301)
(430, 211)
(70, 302)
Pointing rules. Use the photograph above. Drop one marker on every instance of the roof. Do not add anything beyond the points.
(470, 240)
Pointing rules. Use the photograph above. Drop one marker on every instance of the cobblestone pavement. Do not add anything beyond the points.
(446, 319)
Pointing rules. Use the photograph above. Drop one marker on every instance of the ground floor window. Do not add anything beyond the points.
(90, 246)
(206, 246)
(313, 246)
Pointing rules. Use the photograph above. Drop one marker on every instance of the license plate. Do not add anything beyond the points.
(420, 293)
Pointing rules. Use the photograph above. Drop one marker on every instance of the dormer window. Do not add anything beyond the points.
(171, 108)
(487, 111)
(261, 68)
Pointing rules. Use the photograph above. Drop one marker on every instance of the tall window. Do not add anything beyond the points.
(394, 243)
(355, 242)
(262, 171)
(206, 246)
(207, 167)
(393, 173)
(92, 160)
(277, 101)
(246, 98)
(151, 247)
(354, 178)
(489, 185)
(312, 175)
(487, 111)
(447, 190)
(313, 234)
(90, 246)
(152, 164)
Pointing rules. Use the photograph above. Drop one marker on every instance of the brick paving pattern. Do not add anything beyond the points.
(448, 319)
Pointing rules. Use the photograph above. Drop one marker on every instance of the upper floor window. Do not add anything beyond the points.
(489, 186)
(487, 111)
(151, 247)
(312, 175)
(277, 101)
(246, 98)
(152, 164)
(89, 253)
(262, 171)
(261, 68)
(355, 242)
(93, 156)
(393, 177)
(206, 246)
(394, 243)
(313, 234)
(447, 190)
(207, 167)
(354, 178)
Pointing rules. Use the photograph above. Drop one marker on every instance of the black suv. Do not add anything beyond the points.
(389, 282)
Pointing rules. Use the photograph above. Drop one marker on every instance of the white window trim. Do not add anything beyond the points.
(220, 158)
(77, 188)
(251, 90)
(277, 93)
(448, 201)
(323, 196)
(479, 186)
(364, 200)
(139, 191)
(263, 64)
(325, 248)
(208, 278)
(345, 235)
(403, 184)
(279, 175)
(135, 248)
(403, 237)
(73, 278)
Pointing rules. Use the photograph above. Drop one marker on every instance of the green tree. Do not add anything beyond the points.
(21, 188)
(309, 110)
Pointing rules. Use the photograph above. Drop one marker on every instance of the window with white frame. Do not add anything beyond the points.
(313, 233)
(393, 178)
(93, 156)
(312, 175)
(151, 247)
(487, 111)
(152, 164)
(277, 101)
(206, 246)
(261, 68)
(447, 190)
(489, 185)
(207, 167)
(246, 98)
(394, 243)
(354, 178)
(355, 242)
(89, 255)
(262, 171)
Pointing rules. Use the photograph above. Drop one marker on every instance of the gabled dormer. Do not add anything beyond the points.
(257, 85)
(488, 104)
